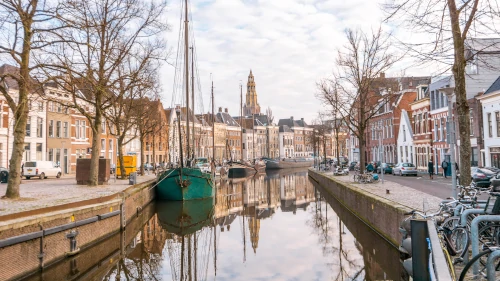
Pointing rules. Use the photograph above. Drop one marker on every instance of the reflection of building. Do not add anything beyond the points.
(154, 236)
(254, 227)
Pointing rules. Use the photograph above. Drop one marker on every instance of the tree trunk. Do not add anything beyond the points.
(20, 115)
(461, 95)
(154, 153)
(120, 158)
(96, 148)
(362, 149)
(141, 139)
(463, 119)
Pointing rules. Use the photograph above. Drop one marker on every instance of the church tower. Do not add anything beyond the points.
(251, 105)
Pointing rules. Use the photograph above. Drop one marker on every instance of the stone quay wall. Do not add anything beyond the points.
(380, 214)
(29, 244)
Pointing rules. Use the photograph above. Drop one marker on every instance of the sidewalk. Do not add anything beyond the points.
(403, 195)
(36, 194)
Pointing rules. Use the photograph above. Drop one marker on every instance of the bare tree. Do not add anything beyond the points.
(136, 76)
(359, 88)
(97, 36)
(22, 27)
(451, 22)
(270, 116)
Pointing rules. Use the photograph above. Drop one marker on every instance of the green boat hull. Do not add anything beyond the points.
(194, 185)
(185, 217)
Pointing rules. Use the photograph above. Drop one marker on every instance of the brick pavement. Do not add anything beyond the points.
(37, 193)
(401, 194)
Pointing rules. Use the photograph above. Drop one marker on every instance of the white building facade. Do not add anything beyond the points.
(405, 139)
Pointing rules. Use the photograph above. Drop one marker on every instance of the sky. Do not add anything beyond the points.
(289, 45)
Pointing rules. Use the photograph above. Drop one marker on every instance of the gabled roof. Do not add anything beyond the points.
(494, 87)
(288, 122)
(406, 118)
(285, 129)
(225, 118)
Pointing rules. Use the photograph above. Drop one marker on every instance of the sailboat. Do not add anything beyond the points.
(185, 182)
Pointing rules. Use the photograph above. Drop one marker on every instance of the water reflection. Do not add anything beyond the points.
(274, 226)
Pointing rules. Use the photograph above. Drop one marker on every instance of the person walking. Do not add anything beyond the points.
(369, 168)
(444, 165)
(430, 169)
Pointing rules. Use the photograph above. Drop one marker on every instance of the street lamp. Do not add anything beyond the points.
(449, 91)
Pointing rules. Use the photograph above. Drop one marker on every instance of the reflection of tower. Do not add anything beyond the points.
(254, 227)
(251, 105)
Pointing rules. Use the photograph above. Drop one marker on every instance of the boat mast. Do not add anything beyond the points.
(241, 121)
(192, 97)
(186, 63)
(213, 127)
(178, 114)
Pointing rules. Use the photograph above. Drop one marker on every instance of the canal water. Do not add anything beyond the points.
(274, 226)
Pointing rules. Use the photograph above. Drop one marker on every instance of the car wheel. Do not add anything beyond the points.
(400, 173)
(58, 175)
(42, 176)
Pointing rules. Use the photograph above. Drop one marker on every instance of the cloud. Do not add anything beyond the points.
(289, 45)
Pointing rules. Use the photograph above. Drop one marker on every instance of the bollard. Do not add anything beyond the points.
(490, 265)
(463, 223)
(474, 230)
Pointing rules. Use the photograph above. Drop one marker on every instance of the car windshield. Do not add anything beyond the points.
(486, 171)
(30, 164)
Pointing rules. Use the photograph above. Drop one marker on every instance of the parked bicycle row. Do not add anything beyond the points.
(468, 229)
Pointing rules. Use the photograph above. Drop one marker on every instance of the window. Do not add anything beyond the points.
(103, 127)
(58, 129)
(28, 127)
(471, 121)
(39, 151)
(103, 144)
(51, 128)
(490, 128)
(65, 130)
(404, 133)
(441, 137)
(59, 107)
(471, 67)
(77, 129)
(40, 106)
(497, 116)
(39, 127)
(51, 154)
(435, 129)
(50, 106)
(111, 145)
(82, 130)
(58, 156)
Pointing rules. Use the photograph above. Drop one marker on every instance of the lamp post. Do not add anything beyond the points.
(449, 91)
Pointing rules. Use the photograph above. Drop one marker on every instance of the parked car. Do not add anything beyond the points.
(4, 175)
(493, 169)
(41, 169)
(148, 167)
(482, 177)
(404, 169)
(387, 169)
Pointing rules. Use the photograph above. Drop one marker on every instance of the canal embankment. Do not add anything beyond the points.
(34, 239)
(380, 205)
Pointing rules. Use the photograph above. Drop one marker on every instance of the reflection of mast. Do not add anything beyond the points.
(189, 259)
(215, 248)
(195, 258)
(243, 226)
(182, 258)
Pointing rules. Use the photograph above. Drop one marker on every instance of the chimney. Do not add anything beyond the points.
(220, 109)
(302, 119)
(382, 74)
(291, 118)
(225, 110)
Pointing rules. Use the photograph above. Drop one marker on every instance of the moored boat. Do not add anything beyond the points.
(184, 184)
(289, 163)
(240, 170)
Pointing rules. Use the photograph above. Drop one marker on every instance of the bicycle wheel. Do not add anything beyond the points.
(489, 235)
(459, 239)
(471, 262)
(356, 177)
(451, 222)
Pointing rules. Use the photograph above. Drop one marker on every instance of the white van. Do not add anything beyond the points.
(41, 169)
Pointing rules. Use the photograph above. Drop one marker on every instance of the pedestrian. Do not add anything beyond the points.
(456, 168)
(430, 169)
(444, 165)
